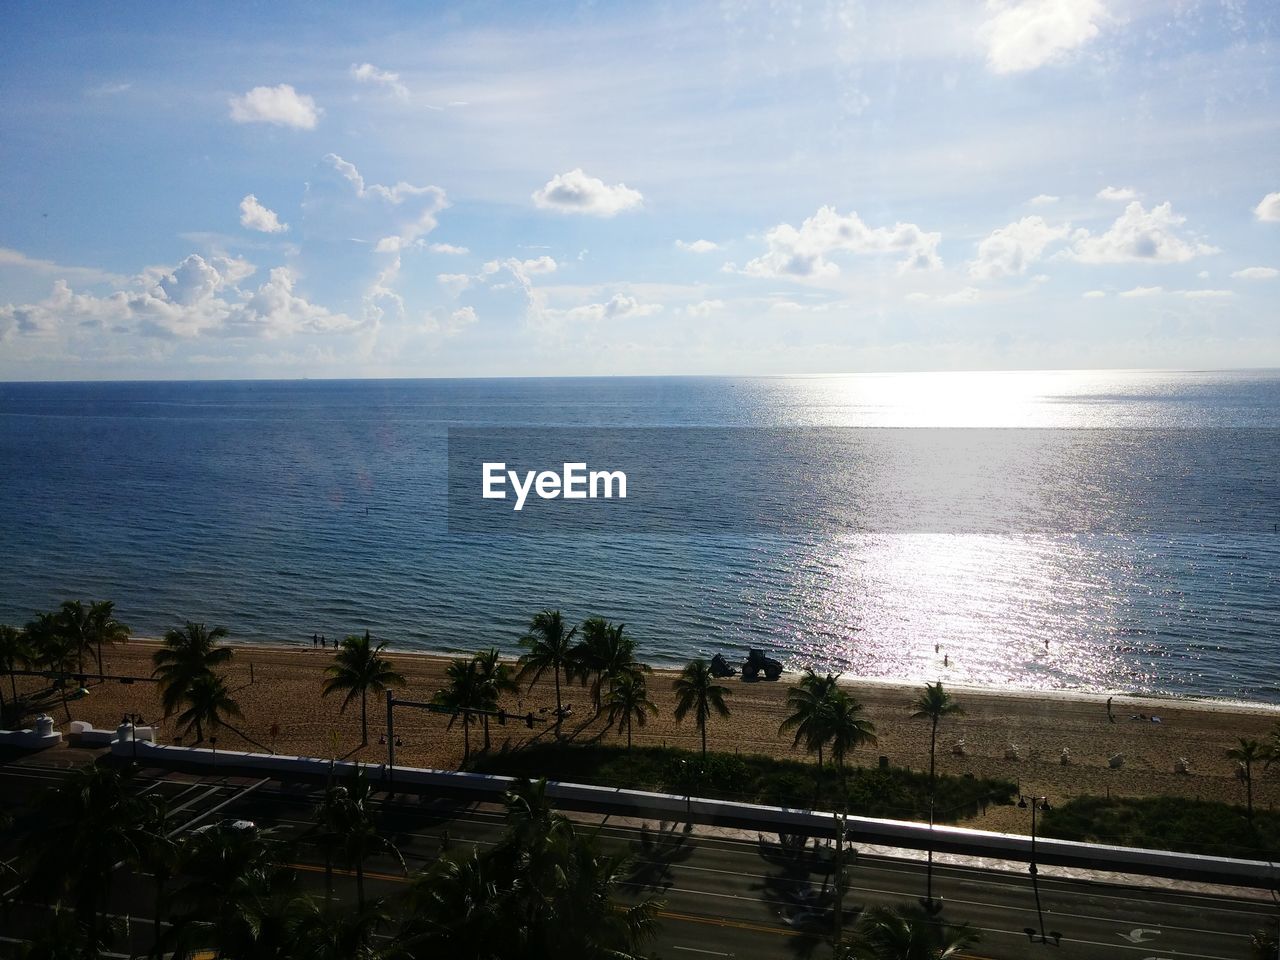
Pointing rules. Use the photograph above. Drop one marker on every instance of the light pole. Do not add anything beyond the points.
(133, 720)
(688, 796)
(1036, 804)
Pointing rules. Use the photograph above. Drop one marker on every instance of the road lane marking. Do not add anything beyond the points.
(710, 953)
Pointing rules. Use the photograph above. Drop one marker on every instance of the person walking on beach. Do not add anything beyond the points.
(1110, 716)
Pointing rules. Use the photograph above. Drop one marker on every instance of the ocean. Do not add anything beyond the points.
(1138, 552)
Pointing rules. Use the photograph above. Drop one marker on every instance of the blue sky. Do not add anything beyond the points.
(268, 190)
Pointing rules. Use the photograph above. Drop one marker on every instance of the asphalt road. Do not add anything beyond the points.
(738, 898)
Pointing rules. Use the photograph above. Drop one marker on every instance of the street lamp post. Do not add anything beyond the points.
(1036, 804)
(133, 720)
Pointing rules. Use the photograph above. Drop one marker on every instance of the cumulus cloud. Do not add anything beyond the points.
(618, 307)
(1256, 273)
(448, 248)
(698, 246)
(1269, 209)
(195, 298)
(282, 106)
(704, 308)
(429, 200)
(368, 73)
(575, 192)
(1043, 200)
(1030, 34)
(1009, 250)
(452, 324)
(455, 283)
(803, 252)
(1121, 194)
(1142, 292)
(1139, 236)
(254, 216)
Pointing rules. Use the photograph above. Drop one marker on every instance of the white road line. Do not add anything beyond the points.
(710, 953)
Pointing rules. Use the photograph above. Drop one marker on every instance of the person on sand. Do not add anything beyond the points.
(1110, 716)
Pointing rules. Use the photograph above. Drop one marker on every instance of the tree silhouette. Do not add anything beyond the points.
(697, 691)
(357, 668)
(628, 701)
(550, 647)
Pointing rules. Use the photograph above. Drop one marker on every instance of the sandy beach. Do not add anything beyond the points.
(284, 696)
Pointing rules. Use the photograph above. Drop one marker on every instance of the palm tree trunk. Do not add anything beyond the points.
(1248, 788)
(485, 719)
(13, 683)
(360, 883)
(466, 737)
(703, 727)
(66, 709)
(100, 660)
(933, 742)
(199, 731)
(559, 712)
(628, 734)
(364, 718)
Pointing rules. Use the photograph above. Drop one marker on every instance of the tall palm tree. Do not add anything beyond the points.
(628, 701)
(357, 668)
(604, 654)
(810, 717)
(209, 704)
(189, 652)
(934, 704)
(907, 934)
(495, 680)
(1247, 754)
(466, 692)
(104, 628)
(74, 622)
(849, 729)
(550, 647)
(87, 826)
(54, 650)
(15, 653)
(697, 691)
(354, 831)
(337, 932)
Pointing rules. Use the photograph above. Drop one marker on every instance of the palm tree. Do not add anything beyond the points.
(1247, 754)
(73, 621)
(697, 690)
(628, 701)
(337, 932)
(466, 692)
(104, 628)
(54, 650)
(906, 934)
(354, 832)
(15, 653)
(604, 654)
(495, 680)
(189, 652)
(87, 826)
(209, 704)
(550, 648)
(849, 729)
(935, 703)
(358, 668)
(810, 717)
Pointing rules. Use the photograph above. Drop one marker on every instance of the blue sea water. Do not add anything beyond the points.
(280, 509)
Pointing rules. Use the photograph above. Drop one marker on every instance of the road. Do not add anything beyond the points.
(728, 897)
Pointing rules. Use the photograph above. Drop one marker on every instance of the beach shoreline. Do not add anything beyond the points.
(279, 690)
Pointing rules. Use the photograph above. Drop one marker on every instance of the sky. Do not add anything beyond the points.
(274, 190)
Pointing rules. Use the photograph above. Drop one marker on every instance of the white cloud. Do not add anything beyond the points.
(397, 194)
(1256, 273)
(1143, 292)
(18, 259)
(1043, 200)
(431, 198)
(1119, 194)
(1139, 236)
(195, 298)
(455, 283)
(368, 73)
(1094, 294)
(281, 105)
(453, 324)
(1009, 250)
(575, 192)
(618, 307)
(704, 308)
(698, 246)
(254, 216)
(1033, 33)
(803, 252)
(1269, 209)
(109, 89)
(1207, 294)
(448, 248)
